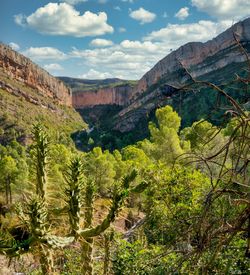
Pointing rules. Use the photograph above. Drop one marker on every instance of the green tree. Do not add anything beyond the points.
(99, 166)
(9, 171)
(164, 144)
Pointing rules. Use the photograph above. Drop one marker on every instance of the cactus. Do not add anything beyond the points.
(41, 147)
(87, 243)
(89, 232)
(74, 179)
(108, 237)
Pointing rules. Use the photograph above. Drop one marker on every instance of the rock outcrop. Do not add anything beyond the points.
(23, 69)
(118, 95)
(200, 59)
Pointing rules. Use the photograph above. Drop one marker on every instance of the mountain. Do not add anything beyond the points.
(29, 94)
(217, 60)
(119, 109)
(125, 109)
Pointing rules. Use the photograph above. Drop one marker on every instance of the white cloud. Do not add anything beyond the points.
(121, 29)
(127, 60)
(53, 67)
(142, 15)
(93, 74)
(130, 1)
(183, 13)
(63, 19)
(117, 8)
(102, 1)
(224, 9)
(73, 2)
(44, 53)
(14, 46)
(20, 19)
(176, 35)
(132, 59)
(98, 42)
(139, 46)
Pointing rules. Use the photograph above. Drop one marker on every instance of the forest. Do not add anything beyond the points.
(183, 196)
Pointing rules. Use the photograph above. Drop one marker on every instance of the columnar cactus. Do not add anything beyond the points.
(74, 179)
(41, 146)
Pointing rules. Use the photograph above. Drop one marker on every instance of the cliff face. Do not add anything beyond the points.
(20, 68)
(201, 59)
(196, 55)
(118, 95)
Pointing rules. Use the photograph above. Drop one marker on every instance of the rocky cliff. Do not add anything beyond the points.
(201, 58)
(20, 68)
(168, 75)
(118, 95)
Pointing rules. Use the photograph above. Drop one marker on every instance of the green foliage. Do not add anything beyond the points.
(99, 166)
(164, 144)
(189, 189)
(14, 169)
(174, 198)
(138, 259)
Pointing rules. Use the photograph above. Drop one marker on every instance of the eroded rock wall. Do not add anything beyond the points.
(118, 95)
(23, 69)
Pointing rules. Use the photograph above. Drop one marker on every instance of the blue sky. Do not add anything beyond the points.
(111, 38)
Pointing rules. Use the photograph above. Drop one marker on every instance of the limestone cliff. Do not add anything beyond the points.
(201, 59)
(21, 68)
(118, 95)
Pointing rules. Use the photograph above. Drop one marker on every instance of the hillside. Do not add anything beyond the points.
(29, 94)
(217, 61)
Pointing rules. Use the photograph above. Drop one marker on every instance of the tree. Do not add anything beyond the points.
(165, 144)
(8, 175)
(99, 166)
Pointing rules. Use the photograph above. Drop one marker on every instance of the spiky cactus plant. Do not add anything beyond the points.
(35, 217)
(87, 243)
(74, 179)
(108, 237)
(41, 149)
(37, 222)
(88, 233)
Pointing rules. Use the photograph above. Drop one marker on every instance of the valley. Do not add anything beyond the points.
(118, 177)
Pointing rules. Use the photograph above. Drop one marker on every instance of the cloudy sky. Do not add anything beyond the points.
(111, 38)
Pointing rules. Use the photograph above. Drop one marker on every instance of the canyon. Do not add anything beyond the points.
(222, 57)
(125, 106)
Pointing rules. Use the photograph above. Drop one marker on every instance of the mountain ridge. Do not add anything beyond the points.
(199, 58)
(21, 68)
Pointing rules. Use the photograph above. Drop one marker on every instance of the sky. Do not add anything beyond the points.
(98, 39)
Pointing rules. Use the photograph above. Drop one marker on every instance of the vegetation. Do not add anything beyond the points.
(176, 202)
(77, 84)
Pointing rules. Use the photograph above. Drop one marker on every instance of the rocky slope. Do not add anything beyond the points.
(22, 69)
(28, 94)
(121, 116)
(202, 60)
